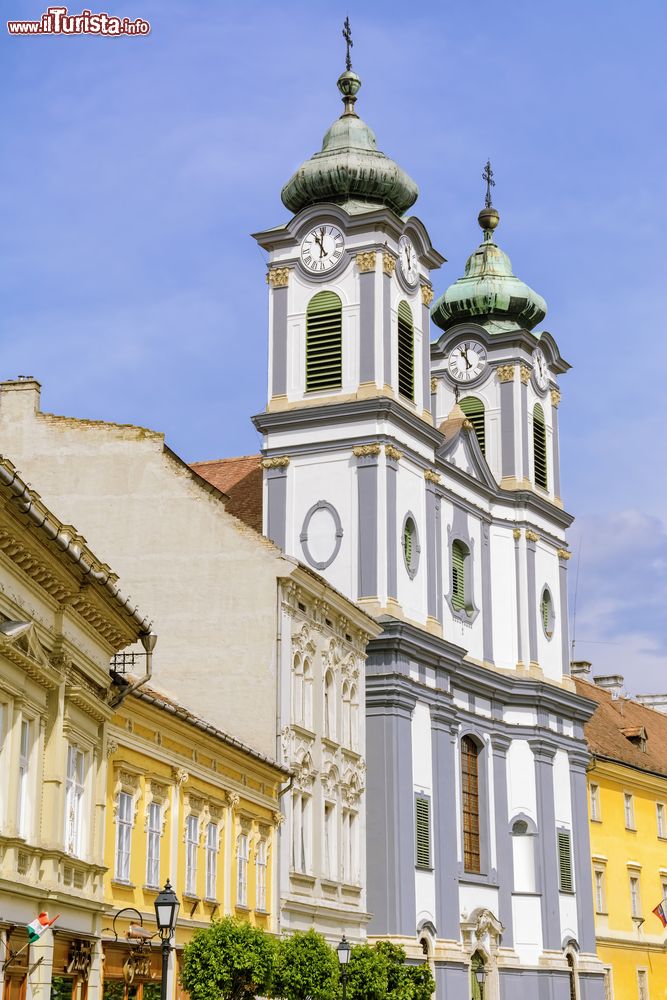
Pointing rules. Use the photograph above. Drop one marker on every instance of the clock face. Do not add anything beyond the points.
(467, 361)
(540, 368)
(322, 248)
(407, 261)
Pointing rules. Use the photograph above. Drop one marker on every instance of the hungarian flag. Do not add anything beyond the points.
(660, 913)
(38, 926)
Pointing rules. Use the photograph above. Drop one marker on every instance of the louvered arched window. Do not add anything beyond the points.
(459, 557)
(324, 342)
(474, 411)
(470, 795)
(540, 447)
(406, 352)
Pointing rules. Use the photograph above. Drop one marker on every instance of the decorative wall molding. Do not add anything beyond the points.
(366, 261)
(322, 505)
(280, 462)
(278, 277)
(505, 373)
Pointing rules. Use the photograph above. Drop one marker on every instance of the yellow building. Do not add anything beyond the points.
(186, 803)
(62, 618)
(627, 784)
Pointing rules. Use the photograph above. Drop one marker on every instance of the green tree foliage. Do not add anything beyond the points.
(230, 960)
(367, 974)
(381, 973)
(305, 966)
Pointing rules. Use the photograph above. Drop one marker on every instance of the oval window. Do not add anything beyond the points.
(410, 545)
(547, 613)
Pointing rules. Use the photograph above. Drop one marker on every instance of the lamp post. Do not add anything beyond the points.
(343, 952)
(480, 976)
(166, 915)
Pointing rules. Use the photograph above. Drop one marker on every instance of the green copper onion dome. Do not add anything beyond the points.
(488, 293)
(350, 170)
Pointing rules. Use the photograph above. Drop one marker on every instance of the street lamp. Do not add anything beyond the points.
(343, 952)
(479, 972)
(166, 915)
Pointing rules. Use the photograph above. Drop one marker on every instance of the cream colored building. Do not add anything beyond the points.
(62, 618)
(250, 639)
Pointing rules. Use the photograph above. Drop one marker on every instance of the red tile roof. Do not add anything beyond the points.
(614, 720)
(241, 480)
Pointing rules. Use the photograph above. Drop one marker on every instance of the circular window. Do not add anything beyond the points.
(547, 613)
(321, 535)
(411, 548)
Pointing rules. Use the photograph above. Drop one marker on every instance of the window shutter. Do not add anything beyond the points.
(406, 352)
(474, 411)
(540, 447)
(458, 576)
(566, 883)
(324, 342)
(423, 832)
(407, 542)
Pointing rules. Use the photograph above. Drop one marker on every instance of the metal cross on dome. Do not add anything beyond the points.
(347, 35)
(488, 177)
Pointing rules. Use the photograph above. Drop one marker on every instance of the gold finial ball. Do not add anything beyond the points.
(488, 218)
(349, 83)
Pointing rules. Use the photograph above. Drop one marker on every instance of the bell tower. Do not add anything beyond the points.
(502, 373)
(349, 363)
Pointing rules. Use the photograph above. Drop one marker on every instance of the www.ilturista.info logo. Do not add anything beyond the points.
(58, 21)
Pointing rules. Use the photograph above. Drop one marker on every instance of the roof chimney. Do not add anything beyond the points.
(658, 702)
(580, 668)
(610, 682)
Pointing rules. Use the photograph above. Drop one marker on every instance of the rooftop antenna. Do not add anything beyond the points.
(347, 35)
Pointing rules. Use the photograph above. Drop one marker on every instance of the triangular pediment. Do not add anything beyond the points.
(461, 449)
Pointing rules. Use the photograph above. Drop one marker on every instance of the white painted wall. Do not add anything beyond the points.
(521, 789)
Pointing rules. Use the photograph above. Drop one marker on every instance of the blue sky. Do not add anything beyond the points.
(134, 170)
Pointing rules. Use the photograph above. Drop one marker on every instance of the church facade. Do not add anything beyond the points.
(422, 480)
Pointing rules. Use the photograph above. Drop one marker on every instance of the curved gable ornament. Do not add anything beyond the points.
(331, 533)
(482, 931)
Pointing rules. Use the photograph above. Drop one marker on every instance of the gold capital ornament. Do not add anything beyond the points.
(555, 397)
(275, 463)
(366, 261)
(392, 452)
(525, 373)
(427, 295)
(278, 277)
(505, 373)
(363, 450)
(388, 263)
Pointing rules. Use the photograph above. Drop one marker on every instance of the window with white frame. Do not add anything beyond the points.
(307, 708)
(211, 860)
(23, 820)
(642, 984)
(608, 983)
(350, 847)
(347, 716)
(594, 795)
(629, 806)
(354, 718)
(660, 819)
(153, 834)
(600, 890)
(242, 870)
(635, 897)
(124, 806)
(300, 832)
(297, 689)
(191, 852)
(330, 840)
(74, 792)
(329, 706)
(260, 876)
